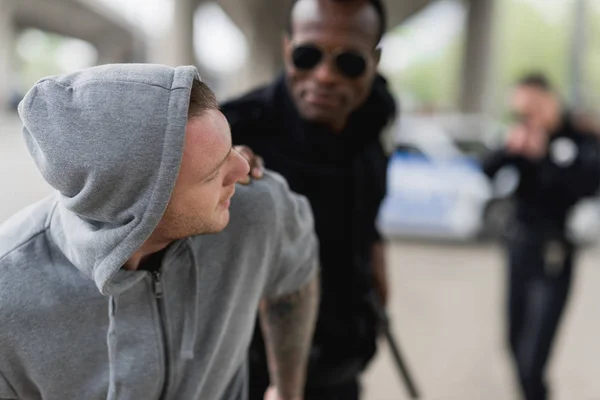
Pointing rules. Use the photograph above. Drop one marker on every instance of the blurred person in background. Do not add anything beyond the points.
(320, 125)
(558, 163)
(141, 276)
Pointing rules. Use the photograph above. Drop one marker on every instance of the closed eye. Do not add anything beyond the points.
(218, 167)
(214, 176)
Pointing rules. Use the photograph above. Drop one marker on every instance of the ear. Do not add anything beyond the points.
(286, 44)
(377, 55)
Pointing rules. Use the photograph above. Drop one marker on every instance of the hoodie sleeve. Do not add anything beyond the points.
(6, 392)
(296, 257)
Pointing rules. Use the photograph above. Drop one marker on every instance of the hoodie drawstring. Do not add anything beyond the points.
(190, 333)
(111, 340)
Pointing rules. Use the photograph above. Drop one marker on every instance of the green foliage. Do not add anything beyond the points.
(592, 67)
(432, 82)
(40, 60)
(526, 41)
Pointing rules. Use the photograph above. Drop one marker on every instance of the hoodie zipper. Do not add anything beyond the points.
(158, 293)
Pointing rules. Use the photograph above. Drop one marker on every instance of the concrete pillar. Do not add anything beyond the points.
(176, 47)
(114, 50)
(7, 48)
(265, 30)
(139, 53)
(398, 11)
(263, 23)
(110, 53)
(577, 55)
(477, 94)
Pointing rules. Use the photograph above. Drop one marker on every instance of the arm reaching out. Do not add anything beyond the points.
(521, 148)
(290, 300)
(380, 271)
(288, 323)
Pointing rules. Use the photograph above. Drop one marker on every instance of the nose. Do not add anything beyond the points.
(241, 168)
(326, 73)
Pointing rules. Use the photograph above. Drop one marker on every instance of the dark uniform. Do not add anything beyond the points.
(343, 175)
(540, 256)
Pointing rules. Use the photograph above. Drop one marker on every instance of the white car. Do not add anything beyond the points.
(434, 189)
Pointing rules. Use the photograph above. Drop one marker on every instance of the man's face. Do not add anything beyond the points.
(324, 93)
(535, 107)
(209, 170)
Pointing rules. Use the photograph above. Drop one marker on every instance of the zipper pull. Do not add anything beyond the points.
(158, 289)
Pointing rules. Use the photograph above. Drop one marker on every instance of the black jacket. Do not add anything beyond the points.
(344, 178)
(549, 188)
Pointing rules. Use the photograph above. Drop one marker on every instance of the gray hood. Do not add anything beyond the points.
(110, 140)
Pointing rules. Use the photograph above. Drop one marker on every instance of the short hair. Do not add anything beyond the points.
(202, 99)
(377, 4)
(536, 80)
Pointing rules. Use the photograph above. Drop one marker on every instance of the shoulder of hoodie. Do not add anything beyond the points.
(34, 283)
(27, 225)
(264, 204)
(23, 249)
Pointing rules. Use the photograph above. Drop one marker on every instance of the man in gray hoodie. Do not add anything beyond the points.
(140, 277)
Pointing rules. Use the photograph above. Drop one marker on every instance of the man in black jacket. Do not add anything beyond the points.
(558, 164)
(320, 126)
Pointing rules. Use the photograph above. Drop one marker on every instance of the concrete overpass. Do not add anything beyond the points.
(114, 39)
(262, 22)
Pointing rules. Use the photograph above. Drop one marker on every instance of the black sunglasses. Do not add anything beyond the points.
(350, 63)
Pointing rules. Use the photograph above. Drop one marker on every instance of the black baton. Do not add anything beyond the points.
(385, 322)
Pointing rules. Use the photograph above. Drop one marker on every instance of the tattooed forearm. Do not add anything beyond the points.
(288, 324)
